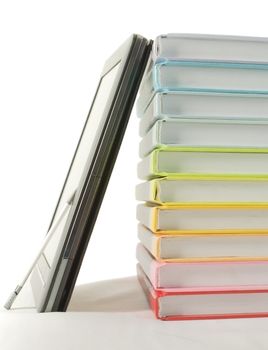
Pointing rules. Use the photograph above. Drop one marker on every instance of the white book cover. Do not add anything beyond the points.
(203, 77)
(204, 219)
(208, 47)
(230, 77)
(206, 133)
(186, 161)
(203, 106)
(199, 303)
(204, 247)
(202, 274)
(209, 190)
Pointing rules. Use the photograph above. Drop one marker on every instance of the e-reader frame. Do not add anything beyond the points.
(81, 207)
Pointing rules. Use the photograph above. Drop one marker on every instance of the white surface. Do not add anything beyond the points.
(115, 316)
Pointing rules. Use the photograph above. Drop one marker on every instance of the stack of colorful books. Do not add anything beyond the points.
(203, 229)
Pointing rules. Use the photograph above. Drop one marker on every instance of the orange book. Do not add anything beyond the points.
(204, 247)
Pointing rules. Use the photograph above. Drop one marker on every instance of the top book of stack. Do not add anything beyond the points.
(222, 48)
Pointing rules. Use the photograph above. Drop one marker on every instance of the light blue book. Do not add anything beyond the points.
(210, 76)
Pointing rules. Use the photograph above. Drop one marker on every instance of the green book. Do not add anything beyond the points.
(195, 162)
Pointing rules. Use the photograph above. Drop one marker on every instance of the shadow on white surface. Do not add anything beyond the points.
(118, 295)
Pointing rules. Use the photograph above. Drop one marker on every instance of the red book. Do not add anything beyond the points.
(205, 303)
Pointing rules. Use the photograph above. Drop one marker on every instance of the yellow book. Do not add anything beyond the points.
(204, 218)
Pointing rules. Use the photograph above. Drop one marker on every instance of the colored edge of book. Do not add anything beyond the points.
(204, 218)
(201, 105)
(197, 304)
(202, 274)
(188, 190)
(191, 161)
(204, 133)
(207, 77)
(162, 100)
(206, 247)
(224, 316)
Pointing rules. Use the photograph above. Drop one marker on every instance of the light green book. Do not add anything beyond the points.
(194, 162)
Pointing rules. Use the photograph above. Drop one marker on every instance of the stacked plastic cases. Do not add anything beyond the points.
(203, 228)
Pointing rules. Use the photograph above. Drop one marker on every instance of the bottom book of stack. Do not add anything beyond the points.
(204, 290)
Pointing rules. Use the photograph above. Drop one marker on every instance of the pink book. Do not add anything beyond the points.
(202, 273)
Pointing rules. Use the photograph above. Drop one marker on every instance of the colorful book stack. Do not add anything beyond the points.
(203, 228)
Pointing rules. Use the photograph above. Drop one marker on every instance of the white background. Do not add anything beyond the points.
(51, 56)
